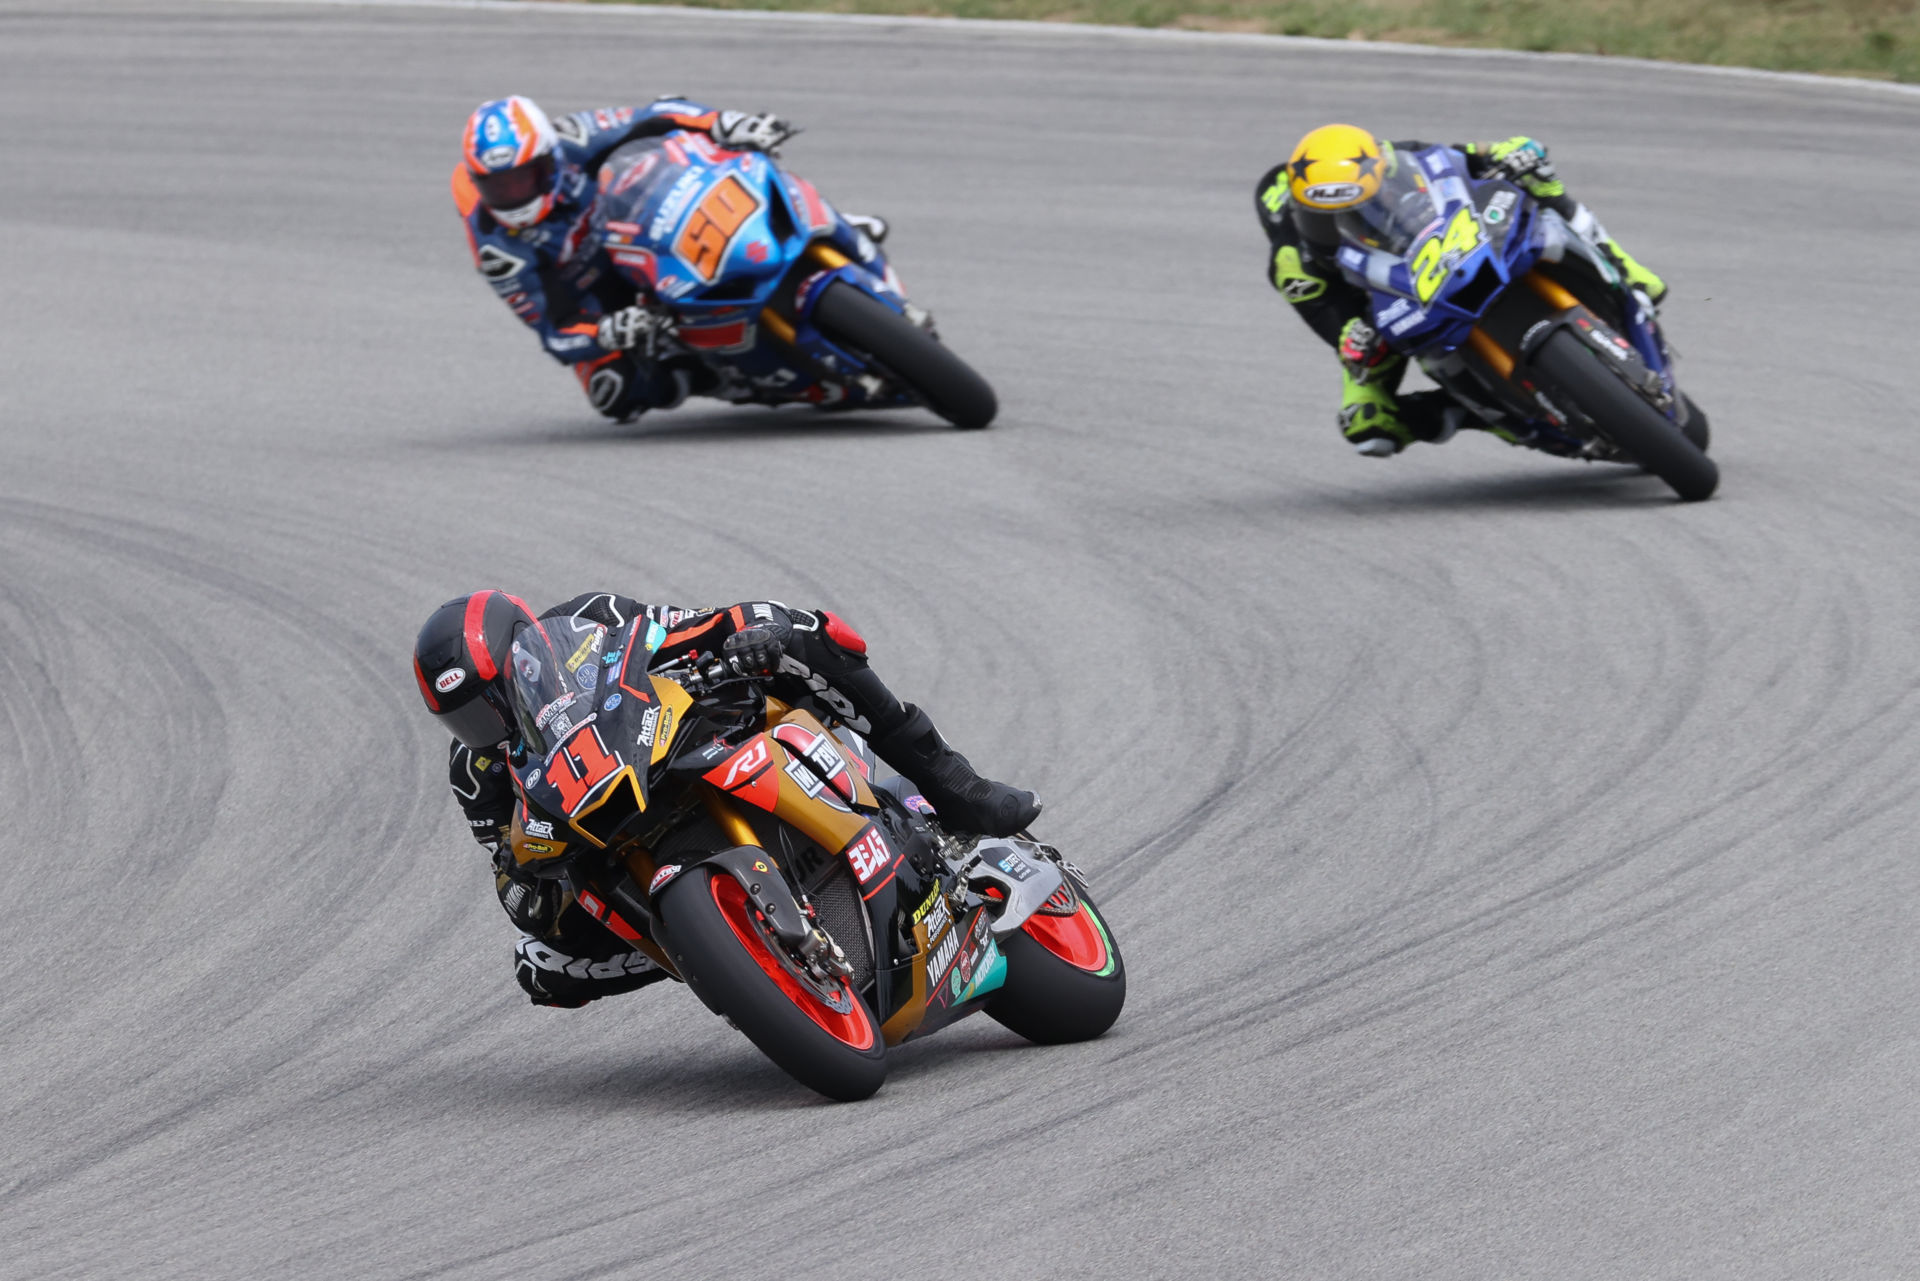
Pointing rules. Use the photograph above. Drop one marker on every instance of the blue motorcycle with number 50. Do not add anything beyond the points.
(777, 296)
(1521, 321)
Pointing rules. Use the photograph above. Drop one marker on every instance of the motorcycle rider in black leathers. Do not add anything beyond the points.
(1338, 167)
(809, 658)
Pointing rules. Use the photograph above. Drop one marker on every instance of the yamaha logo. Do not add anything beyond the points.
(449, 680)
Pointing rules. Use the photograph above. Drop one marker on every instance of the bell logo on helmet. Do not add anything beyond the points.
(1334, 193)
(496, 157)
(449, 680)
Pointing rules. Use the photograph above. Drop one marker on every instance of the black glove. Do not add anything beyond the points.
(742, 132)
(632, 327)
(754, 651)
(532, 905)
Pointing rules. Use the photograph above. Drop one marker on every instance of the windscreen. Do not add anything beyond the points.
(639, 171)
(555, 673)
(1404, 208)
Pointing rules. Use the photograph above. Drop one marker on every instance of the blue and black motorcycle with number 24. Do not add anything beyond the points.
(778, 298)
(1521, 321)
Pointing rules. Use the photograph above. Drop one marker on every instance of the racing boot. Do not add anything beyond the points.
(1370, 418)
(964, 801)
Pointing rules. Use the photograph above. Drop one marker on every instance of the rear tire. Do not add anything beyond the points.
(1628, 421)
(947, 384)
(1051, 999)
(726, 958)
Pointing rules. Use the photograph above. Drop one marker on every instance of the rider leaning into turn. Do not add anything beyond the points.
(527, 186)
(809, 658)
(1340, 167)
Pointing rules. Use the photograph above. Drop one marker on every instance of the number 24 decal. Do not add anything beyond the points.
(1439, 253)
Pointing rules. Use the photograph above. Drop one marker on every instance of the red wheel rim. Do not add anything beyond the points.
(853, 1028)
(1078, 940)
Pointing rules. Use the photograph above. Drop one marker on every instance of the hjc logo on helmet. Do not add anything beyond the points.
(1333, 193)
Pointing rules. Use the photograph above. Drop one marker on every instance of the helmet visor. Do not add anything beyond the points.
(477, 723)
(516, 187)
(1402, 211)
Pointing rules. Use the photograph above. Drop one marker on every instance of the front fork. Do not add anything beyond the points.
(1568, 312)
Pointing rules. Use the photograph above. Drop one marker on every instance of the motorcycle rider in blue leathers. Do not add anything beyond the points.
(526, 187)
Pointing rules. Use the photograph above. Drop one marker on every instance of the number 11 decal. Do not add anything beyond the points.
(589, 764)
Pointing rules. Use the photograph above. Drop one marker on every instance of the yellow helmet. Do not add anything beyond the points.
(1336, 167)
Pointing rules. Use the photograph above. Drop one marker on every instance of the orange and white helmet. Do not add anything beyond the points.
(509, 154)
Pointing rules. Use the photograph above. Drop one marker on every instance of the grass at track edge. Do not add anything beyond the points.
(1866, 39)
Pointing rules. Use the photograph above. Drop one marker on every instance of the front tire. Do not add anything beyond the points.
(1628, 421)
(947, 384)
(1065, 979)
(728, 959)
(1695, 428)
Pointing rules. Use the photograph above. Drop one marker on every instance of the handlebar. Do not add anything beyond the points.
(701, 674)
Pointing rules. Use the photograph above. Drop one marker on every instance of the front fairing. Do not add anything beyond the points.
(1436, 248)
(595, 726)
(733, 244)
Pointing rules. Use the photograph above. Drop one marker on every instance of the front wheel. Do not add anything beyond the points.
(1628, 421)
(823, 1037)
(947, 384)
(1065, 979)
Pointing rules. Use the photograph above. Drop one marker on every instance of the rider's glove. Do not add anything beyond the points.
(533, 906)
(1522, 161)
(742, 132)
(1361, 348)
(631, 327)
(754, 651)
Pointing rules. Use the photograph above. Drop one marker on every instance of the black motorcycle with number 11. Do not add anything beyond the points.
(768, 861)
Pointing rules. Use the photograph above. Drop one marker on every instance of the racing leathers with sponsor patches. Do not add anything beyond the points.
(555, 275)
(1374, 418)
(810, 658)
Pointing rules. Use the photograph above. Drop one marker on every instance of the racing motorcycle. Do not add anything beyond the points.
(778, 296)
(771, 863)
(1521, 321)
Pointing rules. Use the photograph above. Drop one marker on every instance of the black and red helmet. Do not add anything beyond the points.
(461, 662)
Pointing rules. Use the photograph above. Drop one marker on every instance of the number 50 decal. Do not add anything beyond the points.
(711, 227)
(588, 764)
(1441, 251)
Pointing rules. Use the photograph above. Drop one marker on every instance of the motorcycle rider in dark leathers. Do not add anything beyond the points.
(1339, 167)
(527, 187)
(810, 658)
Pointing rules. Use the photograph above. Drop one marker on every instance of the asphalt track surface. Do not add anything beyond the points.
(1515, 866)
